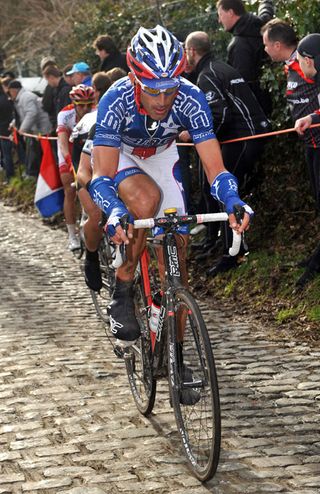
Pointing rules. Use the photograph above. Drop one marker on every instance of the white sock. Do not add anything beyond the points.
(71, 230)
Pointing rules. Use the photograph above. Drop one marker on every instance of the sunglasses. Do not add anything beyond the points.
(83, 103)
(155, 92)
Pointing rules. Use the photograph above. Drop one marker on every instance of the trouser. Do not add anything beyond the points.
(313, 162)
(6, 151)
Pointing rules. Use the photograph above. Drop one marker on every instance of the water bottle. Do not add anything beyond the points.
(155, 312)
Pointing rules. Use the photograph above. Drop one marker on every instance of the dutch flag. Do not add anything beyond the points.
(49, 194)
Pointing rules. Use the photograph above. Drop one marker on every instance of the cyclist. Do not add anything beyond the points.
(135, 158)
(92, 231)
(82, 98)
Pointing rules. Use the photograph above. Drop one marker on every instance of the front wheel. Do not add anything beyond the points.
(193, 386)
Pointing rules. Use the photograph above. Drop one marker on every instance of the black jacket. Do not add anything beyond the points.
(6, 114)
(61, 95)
(235, 109)
(116, 59)
(246, 50)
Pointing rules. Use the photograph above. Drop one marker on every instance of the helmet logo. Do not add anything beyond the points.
(164, 74)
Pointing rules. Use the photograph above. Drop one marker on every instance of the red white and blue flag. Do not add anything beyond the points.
(49, 194)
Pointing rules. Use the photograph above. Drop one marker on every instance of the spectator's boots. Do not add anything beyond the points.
(92, 273)
(224, 264)
(121, 311)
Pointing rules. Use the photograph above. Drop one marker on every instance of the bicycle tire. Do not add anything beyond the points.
(138, 357)
(101, 299)
(193, 380)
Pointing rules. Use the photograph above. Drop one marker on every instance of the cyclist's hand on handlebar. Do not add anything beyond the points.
(120, 226)
(239, 220)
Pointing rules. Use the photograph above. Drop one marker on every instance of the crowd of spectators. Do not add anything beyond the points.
(240, 106)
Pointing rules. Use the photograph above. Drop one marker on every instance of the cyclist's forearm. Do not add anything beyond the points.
(211, 158)
(105, 161)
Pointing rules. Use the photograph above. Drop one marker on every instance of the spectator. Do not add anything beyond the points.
(32, 119)
(61, 89)
(308, 54)
(100, 83)
(5, 81)
(236, 113)
(81, 74)
(67, 78)
(245, 51)
(109, 54)
(48, 96)
(6, 115)
(280, 43)
(115, 74)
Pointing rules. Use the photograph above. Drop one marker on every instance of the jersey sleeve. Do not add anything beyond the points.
(110, 119)
(196, 115)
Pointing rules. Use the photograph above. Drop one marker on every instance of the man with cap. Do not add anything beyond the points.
(309, 60)
(281, 44)
(81, 74)
(308, 55)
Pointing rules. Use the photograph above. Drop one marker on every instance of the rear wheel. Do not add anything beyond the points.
(138, 358)
(194, 387)
(101, 299)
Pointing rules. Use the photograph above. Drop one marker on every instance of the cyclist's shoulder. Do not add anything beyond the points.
(67, 109)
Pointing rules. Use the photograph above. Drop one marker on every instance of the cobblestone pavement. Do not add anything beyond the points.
(67, 420)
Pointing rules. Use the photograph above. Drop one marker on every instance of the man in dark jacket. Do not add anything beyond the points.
(61, 89)
(246, 50)
(6, 116)
(109, 54)
(236, 113)
(302, 94)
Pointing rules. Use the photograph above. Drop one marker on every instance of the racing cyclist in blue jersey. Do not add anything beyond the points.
(135, 158)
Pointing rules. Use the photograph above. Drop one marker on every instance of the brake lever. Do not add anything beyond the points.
(239, 212)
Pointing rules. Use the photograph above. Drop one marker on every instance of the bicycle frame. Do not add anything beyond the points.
(173, 278)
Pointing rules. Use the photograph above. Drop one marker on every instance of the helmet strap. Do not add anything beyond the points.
(137, 98)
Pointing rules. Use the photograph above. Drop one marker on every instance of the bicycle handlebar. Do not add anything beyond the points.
(194, 218)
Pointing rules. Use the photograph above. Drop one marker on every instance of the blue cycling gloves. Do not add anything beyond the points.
(225, 189)
(103, 191)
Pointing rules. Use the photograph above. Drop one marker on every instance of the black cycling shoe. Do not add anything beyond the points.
(92, 273)
(121, 311)
(305, 278)
(188, 396)
(223, 265)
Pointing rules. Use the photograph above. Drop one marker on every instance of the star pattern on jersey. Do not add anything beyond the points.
(129, 119)
(170, 127)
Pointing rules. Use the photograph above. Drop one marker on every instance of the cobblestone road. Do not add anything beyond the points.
(68, 423)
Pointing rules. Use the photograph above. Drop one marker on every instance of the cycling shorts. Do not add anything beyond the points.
(164, 169)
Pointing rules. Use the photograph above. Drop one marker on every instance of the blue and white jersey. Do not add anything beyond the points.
(119, 124)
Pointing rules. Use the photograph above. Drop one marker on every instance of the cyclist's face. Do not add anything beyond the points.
(157, 107)
(81, 110)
